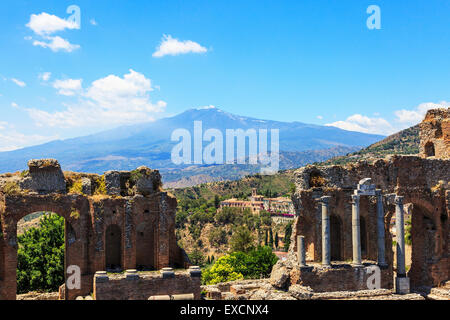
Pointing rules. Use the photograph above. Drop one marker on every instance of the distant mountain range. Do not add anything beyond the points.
(400, 143)
(128, 147)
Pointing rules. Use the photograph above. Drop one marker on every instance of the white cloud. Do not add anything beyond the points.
(15, 105)
(411, 117)
(18, 82)
(111, 100)
(320, 117)
(68, 87)
(46, 24)
(358, 122)
(173, 47)
(56, 44)
(377, 125)
(45, 76)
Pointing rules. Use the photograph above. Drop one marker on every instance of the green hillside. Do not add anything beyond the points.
(403, 142)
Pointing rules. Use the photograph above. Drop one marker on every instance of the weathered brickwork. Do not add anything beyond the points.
(424, 184)
(435, 134)
(129, 225)
(142, 286)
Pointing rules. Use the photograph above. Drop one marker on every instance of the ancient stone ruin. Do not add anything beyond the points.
(121, 220)
(435, 134)
(341, 236)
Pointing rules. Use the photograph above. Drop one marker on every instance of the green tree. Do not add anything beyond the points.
(287, 236)
(40, 256)
(216, 201)
(277, 240)
(242, 240)
(217, 237)
(197, 257)
(270, 238)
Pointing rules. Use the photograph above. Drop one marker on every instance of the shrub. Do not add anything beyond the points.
(76, 187)
(99, 185)
(11, 188)
(256, 264)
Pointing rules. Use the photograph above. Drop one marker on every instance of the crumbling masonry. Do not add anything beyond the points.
(118, 221)
(342, 232)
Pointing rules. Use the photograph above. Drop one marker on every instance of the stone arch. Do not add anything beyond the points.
(429, 149)
(145, 246)
(336, 237)
(13, 208)
(113, 248)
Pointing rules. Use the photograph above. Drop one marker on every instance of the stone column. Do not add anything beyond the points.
(401, 281)
(356, 236)
(380, 229)
(326, 251)
(400, 235)
(301, 251)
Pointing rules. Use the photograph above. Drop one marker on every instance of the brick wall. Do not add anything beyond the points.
(141, 286)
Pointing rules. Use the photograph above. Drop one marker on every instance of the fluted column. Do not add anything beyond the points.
(356, 236)
(380, 229)
(325, 231)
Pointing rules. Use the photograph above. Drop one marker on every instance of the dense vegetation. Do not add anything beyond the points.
(277, 185)
(40, 257)
(255, 264)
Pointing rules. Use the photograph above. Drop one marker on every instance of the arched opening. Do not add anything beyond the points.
(335, 237)
(423, 239)
(145, 247)
(42, 251)
(429, 149)
(113, 248)
(363, 237)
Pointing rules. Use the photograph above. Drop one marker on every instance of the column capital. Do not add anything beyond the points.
(378, 192)
(398, 200)
(324, 199)
(355, 198)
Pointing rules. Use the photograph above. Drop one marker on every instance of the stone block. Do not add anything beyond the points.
(112, 182)
(402, 285)
(44, 176)
(146, 181)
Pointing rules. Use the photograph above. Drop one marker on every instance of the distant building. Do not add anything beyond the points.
(276, 206)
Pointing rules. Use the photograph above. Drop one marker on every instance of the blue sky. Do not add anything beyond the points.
(312, 61)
